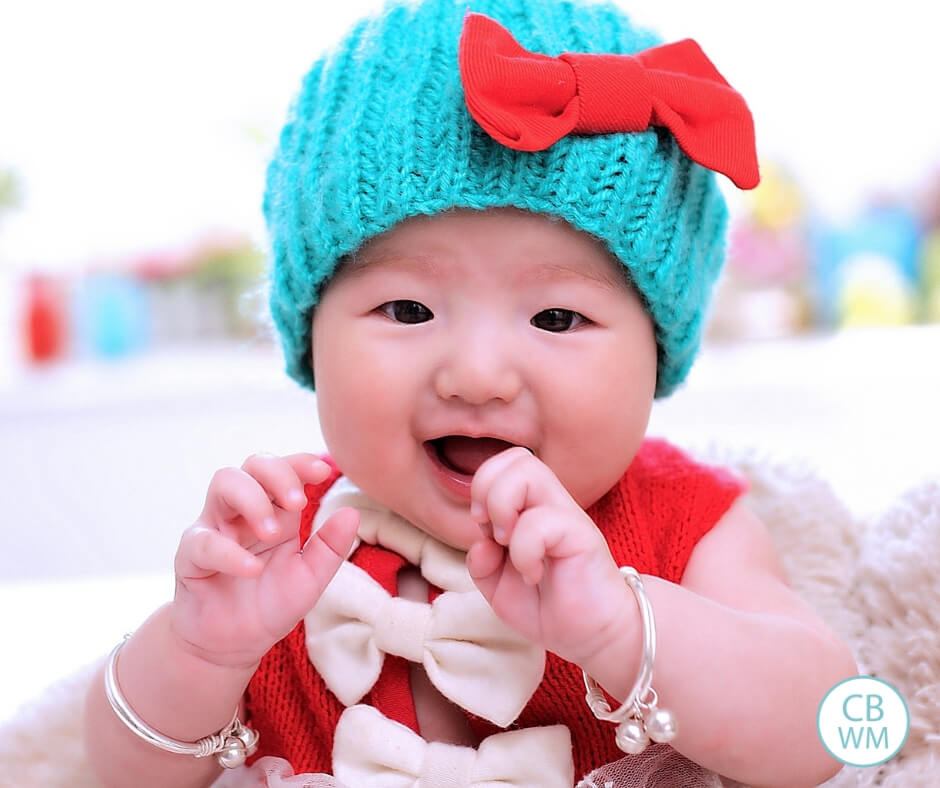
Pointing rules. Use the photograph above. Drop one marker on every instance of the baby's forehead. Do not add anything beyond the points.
(540, 247)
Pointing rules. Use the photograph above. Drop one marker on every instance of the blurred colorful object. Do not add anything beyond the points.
(778, 202)
(765, 255)
(203, 293)
(768, 244)
(45, 319)
(873, 292)
(11, 190)
(866, 273)
(930, 276)
(789, 269)
(113, 314)
(206, 292)
(763, 293)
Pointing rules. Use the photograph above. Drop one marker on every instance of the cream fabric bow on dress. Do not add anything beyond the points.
(371, 750)
(469, 655)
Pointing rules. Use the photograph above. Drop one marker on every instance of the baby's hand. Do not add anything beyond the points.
(242, 581)
(542, 563)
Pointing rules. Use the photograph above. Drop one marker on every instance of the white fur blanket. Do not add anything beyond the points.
(875, 582)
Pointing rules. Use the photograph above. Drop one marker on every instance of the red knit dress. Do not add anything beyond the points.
(652, 519)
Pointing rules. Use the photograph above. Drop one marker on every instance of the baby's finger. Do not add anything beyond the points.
(486, 528)
(204, 551)
(486, 475)
(484, 561)
(537, 533)
(503, 587)
(337, 534)
(325, 551)
(506, 500)
(233, 493)
(310, 468)
(278, 479)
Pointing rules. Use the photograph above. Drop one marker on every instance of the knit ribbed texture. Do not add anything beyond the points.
(652, 520)
(380, 132)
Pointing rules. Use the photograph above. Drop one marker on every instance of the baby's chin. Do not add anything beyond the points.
(462, 540)
(455, 530)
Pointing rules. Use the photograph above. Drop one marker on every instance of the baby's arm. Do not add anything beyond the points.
(740, 660)
(242, 584)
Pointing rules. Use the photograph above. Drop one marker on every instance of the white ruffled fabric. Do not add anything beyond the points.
(658, 766)
(271, 772)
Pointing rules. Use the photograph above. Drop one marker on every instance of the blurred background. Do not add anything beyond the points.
(135, 358)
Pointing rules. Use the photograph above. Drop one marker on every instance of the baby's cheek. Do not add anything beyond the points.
(598, 454)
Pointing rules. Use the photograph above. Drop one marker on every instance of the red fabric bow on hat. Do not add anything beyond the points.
(528, 101)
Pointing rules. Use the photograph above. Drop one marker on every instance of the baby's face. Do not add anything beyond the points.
(450, 338)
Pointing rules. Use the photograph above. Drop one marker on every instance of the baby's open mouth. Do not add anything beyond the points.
(464, 454)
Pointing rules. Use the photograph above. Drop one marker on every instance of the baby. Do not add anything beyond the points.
(489, 261)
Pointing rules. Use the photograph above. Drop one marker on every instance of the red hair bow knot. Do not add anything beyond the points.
(528, 101)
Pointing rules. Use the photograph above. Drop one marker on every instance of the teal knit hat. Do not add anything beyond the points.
(380, 132)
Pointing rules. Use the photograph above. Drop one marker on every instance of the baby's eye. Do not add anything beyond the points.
(557, 320)
(403, 311)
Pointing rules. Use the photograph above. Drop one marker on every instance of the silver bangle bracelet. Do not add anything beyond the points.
(639, 718)
(232, 745)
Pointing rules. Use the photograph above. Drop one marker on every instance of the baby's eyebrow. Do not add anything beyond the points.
(429, 266)
(358, 264)
(555, 271)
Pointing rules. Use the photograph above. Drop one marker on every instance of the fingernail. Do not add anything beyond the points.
(269, 526)
(295, 496)
(498, 534)
(476, 511)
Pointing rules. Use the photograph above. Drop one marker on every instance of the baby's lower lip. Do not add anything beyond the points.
(456, 484)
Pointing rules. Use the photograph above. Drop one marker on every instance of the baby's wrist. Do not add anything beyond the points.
(615, 654)
(173, 690)
(230, 660)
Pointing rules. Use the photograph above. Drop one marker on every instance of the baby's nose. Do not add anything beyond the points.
(478, 371)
